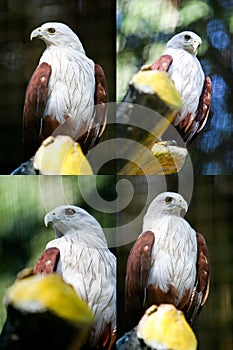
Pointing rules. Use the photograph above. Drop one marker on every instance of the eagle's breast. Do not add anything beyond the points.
(71, 85)
(174, 255)
(188, 76)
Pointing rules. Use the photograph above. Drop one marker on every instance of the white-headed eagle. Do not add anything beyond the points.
(65, 84)
(168, 263)
(180, 61)
(81, 256)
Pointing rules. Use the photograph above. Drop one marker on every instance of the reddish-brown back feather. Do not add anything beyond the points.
(163, 63)
(48, 261)
(137, 274)
(201, 290)
(190, 128)
(34, 106)
(97, 125)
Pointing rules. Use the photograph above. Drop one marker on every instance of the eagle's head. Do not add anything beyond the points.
(186, 40)
(57, 34)
(76, 222)
(167, 203)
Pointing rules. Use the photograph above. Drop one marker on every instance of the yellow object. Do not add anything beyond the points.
(165, 327)
(60, 155)
(159, 83)
(170, 158)
(40, 293)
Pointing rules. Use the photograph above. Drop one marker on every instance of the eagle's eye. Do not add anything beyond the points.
(168, 199)
(70, 211)
(51, 30)
(187, 37)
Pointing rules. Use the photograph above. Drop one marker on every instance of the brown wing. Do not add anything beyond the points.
(107, 339)
(201, 289)
(137, 274)
(48, 261)
(98, 122)
(34, 106)
(163, 63)
(190, 128)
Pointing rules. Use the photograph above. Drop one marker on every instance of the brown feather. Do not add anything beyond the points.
(163, 63)
(157, 296)
(201, 289)
(48, 261)
(107, 339)
(90, 134)
(34, 106)
(190, 128)
(137, 274)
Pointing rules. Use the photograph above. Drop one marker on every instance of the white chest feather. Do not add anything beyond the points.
(92, 273)
(71, 85)
(188, 76)
(174, 255)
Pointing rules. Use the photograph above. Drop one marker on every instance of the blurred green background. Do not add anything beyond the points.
(24, 200)
(210, 213)
(93, 21)
(144, 27)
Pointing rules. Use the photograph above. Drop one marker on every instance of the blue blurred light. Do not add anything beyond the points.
(219, 86)
(217, 33)
(119, 19)
(226, 3)
(209, 141)
(211, 168)
(220, 40)
(222, 121)
(228, 160)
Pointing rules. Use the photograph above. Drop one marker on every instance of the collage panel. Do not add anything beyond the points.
(57, 224)
(209, 213)
(71, 47)
(127, 107)
(191, 41)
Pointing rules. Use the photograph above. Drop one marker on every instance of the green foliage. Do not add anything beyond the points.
(24, 200)
(143, 29)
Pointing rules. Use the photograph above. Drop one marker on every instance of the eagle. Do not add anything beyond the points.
(66, 84)
(184, 69)
(180, 61)
(168, 263)
(80, 254)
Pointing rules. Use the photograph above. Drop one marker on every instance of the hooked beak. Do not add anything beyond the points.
(48, 220)
(51, 219)
(196, 44)
(36, 33)
(183, 205)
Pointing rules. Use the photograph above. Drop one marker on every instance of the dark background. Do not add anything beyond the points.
(93, 21)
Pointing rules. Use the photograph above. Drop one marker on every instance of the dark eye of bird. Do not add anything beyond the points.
(70, 211)
(187, 37)
(168, 199)
(51, 30)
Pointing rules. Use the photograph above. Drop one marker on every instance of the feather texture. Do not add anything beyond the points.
(72, 84)
(176, 267)
(87, 264)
